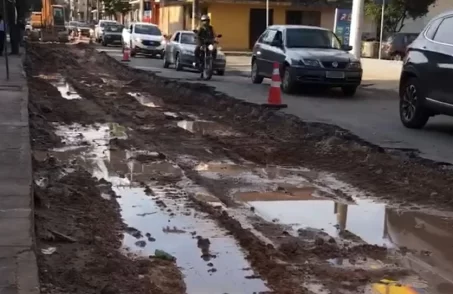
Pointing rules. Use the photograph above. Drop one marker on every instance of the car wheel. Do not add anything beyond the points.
(162, 55)
(287, 84)
(166, 63)
(349, 91)
(221, 72)
(178, 65)
(413, 114)
(255, 77)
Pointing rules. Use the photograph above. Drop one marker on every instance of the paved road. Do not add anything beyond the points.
(372, 114)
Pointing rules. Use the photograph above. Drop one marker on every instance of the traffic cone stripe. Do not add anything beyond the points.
(275, 72)
(275, 84)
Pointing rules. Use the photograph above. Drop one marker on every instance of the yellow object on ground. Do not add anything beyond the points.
(393, 287)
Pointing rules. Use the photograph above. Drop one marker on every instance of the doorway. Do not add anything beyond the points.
(257, 24)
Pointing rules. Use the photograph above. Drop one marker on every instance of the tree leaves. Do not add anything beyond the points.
(112, 7)
(397, 11)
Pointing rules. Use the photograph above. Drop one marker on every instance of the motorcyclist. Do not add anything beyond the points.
(205, 32)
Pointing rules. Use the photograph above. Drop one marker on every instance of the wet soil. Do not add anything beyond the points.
(207, 127)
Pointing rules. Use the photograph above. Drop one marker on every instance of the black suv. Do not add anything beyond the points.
(426, 84)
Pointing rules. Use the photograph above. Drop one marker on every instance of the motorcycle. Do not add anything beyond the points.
(207, 50)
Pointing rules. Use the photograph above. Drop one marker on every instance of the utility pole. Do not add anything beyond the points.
(5, 41)
(194, 13)
(382, 28)
(356, 23)
(267, 13)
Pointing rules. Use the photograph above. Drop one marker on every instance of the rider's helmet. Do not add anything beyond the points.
(205, 20)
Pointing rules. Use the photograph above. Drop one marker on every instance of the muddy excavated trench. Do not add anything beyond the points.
(146, 185)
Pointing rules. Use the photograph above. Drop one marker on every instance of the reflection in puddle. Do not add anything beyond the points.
(66, 90)
(147, 100)
(211, 260)
(285, 194)
(59, 82)
(204, 127)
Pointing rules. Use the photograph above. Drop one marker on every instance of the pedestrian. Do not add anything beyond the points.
(2, 34)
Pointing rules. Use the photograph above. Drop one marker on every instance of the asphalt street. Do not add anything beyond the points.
(372, 114)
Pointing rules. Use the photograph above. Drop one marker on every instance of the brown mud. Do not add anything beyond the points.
(75, 208)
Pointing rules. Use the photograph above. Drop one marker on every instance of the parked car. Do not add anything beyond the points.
(112, 35)
(145, 38)
(396, 45)
(83, 29)
(180, 51)
(72, 26)
(426, 87)
(99, 28)
(306, 55)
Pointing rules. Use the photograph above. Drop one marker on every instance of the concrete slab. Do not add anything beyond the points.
(18, 266)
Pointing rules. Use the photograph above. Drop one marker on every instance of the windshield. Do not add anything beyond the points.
(311, 38)
(147, 30)
(114, 28)
(106, 23)
(188, 39)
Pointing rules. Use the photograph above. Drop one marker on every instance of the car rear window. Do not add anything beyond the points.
(114, 28)
(188, 38)
(106, 23)
(147, 30)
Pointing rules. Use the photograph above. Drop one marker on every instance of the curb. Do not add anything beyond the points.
(233, 53)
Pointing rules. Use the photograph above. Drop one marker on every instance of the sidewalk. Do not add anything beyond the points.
(18, 267)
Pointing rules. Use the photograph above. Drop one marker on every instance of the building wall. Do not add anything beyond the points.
(232, 21)
(171, 19)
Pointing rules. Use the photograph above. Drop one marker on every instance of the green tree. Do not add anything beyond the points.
(122, 7)
(112, 7)
(397, 12)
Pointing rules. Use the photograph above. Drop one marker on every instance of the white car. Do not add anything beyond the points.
(99, 28)
(144, 38)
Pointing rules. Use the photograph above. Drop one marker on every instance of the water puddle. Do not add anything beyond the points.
(147, 100)
(204, 127)
(160, 219)
(59, 82)
(66, 91)
(294, 197)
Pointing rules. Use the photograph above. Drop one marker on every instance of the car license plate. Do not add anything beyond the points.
(335, 74)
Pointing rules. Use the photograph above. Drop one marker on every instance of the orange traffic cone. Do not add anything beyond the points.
(274, 99)
(126, 55)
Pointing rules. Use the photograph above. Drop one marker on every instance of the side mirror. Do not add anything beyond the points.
(346, 47)
(219, 36)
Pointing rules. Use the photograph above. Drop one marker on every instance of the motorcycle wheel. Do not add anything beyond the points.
(207, 69)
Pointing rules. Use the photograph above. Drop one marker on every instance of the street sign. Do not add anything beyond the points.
(342, 24)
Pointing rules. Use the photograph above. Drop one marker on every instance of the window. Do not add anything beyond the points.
(176, 37)
(269, 36)
(105, 23)
(147, 30)
(114, 28)
(311, 38)
(433, 28)
(188, 39)
(443, 34)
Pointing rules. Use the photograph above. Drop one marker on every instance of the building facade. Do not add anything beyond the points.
(242, 22)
